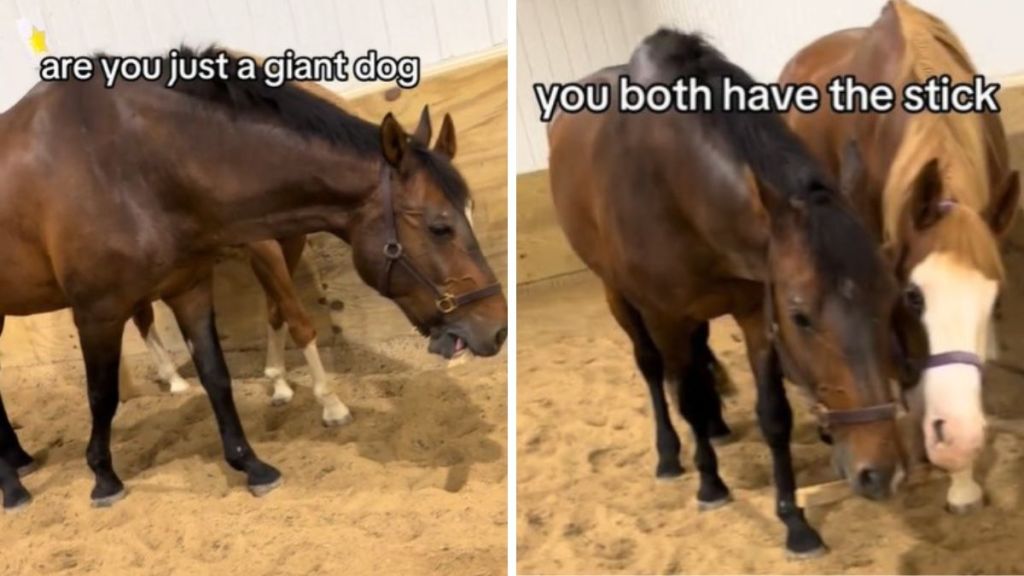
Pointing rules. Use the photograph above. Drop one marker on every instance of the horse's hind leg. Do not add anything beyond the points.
(14, 461)
(705, 357)
(274, 265)
(194, 312)
(165, 368)
(100, 336)
(649, 360)
(776, 420)
(682, 347)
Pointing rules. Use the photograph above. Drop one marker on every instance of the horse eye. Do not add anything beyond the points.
(914, 299)
(802, 321)
(441, 229)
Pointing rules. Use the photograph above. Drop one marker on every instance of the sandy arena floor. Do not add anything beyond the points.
(588, 501)
(415, 485)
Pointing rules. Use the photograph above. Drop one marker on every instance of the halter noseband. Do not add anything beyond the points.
(954, 357)
(827, 417)
(445, 301)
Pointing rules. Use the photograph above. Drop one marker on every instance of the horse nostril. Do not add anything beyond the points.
(499, 337)
(870, 479)
(937, 426)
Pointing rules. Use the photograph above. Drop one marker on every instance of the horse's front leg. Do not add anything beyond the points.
(166, 370)
(100, 337)
(775, 418)
(194, 312)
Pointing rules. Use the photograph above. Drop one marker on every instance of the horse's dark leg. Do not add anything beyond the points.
(776, 420)
(695, 397)
(14, 461)
(100, 336)
(194, 313)
(648, 359)
(704, 356)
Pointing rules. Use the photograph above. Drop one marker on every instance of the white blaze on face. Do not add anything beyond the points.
(958, 303)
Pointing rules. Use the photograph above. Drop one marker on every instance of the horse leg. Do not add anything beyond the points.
(10, 448)
(264, 256)
(680, 344)
(703, 356)
(776, 420)
(14, 461)
(100, 336)
(165, 368)
(649, 360)
(194, 312)
(274, 266)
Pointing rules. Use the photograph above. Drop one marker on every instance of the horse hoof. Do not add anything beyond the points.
(963, 509)
(28, 469)
(336, 421)
(260, 490)
(178, 388)
(807, 555)
(17, 501)
(108, 501)
(707, 506)
(668, 471)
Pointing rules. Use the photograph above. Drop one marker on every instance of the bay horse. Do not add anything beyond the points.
(112, 198)
(273, 262)
(938, 193)
(688, 217)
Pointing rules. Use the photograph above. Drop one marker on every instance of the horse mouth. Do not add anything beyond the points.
(448, 345)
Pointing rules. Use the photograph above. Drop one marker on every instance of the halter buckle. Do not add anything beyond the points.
(393, 250)
(446, 303)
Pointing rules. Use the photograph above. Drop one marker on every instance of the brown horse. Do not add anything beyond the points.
(273, 262)
(938, 192)
(114, 198)
(687, 217)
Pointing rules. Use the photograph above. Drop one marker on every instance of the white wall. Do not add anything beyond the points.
(563, 40)
(435, 30)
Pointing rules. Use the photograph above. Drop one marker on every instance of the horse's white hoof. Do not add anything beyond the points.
(965, 508)
(335, 418)
(282, 396)
(178, 385)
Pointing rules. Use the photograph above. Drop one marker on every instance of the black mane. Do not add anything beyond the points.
(841, 244)
(307, 114)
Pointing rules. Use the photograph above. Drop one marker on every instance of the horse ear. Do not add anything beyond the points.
(1006, 204)
(424, 131)
(394, 142)
(446, 139)
(926, 196)
(851, 170)
(778, 205)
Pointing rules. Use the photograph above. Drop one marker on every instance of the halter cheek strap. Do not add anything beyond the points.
(445, 301)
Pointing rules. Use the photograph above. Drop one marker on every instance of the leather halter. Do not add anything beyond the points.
(445, 301)
(828, 417)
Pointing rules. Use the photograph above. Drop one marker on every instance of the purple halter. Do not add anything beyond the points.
(952, 358)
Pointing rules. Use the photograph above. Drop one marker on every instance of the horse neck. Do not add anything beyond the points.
(273, 184)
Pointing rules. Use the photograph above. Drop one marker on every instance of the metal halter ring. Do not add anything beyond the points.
(393, 250)
(446, 303)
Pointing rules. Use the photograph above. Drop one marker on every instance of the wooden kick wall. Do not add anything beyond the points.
(474, 93)
(543, 253)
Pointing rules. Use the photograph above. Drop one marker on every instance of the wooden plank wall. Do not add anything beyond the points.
(476, 97)
(543, 253)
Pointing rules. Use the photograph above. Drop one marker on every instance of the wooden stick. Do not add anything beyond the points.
(822, 494)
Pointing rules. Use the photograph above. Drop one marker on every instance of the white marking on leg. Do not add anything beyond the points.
(275, 369)
(335, 413)
(165, 369)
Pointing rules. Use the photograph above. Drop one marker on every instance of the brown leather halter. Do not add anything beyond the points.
(827, 417)
(445, 301)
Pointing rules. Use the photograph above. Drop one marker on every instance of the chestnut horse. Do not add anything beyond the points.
(112, 198)
(688, 217)
(938, 192)
(273, 262)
